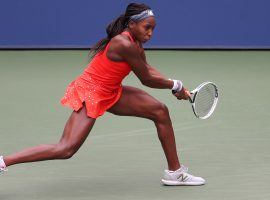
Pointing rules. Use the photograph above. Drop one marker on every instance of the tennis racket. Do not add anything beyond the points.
(204, 99)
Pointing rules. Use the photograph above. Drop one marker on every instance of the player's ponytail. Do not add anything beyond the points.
(113, 29)
(117, 26)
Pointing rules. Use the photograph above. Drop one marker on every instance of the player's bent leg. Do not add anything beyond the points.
(75, 132)
(138, 103)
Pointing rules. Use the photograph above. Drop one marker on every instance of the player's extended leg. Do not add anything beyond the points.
(75, 132)
(136, 102)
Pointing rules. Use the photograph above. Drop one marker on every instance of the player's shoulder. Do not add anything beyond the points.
(122, 42)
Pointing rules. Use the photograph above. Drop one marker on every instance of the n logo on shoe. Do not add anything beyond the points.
(182, 177)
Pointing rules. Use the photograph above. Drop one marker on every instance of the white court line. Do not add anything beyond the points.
(133, 131)
(147, 131)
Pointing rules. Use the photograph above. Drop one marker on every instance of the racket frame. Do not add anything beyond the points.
(194, 94)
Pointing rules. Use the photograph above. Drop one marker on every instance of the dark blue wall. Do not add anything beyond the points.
(180, 23)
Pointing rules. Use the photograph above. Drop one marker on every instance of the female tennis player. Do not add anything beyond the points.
(98, 89)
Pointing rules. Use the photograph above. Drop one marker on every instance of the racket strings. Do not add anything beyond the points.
(205, 99)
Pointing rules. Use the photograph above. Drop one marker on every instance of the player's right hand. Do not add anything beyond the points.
(182, 94)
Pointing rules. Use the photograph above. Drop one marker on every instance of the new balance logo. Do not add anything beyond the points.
(182, 177)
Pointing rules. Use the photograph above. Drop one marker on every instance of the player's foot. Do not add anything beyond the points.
(181, 177)
(2, 165)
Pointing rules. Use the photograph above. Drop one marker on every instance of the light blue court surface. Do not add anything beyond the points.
(122, 157)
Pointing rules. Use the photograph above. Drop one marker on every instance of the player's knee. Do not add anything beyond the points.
(161, 113)
(68, 154)
(64, 151)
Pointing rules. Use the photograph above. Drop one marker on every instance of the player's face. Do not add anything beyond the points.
(143, 30)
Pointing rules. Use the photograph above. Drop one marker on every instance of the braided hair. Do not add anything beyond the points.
(117, 26)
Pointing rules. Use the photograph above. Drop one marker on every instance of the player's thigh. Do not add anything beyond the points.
(77, 128)
(136, 102)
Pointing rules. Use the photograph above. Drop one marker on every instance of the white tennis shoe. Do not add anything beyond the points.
(2, 165)
(181, 177)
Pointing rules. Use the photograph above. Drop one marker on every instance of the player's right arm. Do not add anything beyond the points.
(131, 54)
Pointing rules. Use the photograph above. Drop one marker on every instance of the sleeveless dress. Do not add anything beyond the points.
(99, 86)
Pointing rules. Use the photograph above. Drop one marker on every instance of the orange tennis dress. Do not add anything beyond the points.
(99, 86)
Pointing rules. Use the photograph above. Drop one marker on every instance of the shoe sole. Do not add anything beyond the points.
(176, 183)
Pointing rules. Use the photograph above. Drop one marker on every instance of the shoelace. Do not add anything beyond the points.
(184, 169)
